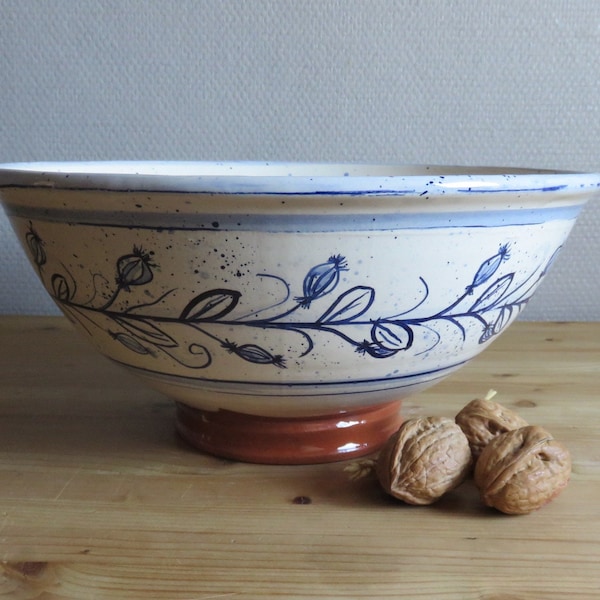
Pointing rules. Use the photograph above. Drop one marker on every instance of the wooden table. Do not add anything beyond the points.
(100, 499)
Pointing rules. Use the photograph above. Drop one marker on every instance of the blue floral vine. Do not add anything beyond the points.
(490, 300)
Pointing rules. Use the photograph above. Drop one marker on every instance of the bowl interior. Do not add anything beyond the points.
(258, 169)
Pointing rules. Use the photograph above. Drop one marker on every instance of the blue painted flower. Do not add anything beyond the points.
(254, 354)
(321, 280)
(392, 335)
(134, 269)
(375, 349)
(489, 267)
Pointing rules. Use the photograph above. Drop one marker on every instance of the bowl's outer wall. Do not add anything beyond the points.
(295, 306)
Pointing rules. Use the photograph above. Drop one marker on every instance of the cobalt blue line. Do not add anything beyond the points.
(367, 192)
(285, 384)
(381, 192)
(478, 190)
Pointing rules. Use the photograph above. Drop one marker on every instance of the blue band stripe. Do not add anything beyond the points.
(302, 222)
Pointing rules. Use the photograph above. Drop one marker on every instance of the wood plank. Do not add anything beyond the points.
(100, 499)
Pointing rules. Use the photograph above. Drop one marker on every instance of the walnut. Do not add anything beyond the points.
(424, 459)
(521, 470)
(483, 420)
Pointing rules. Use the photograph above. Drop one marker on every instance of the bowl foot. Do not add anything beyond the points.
(301, 440)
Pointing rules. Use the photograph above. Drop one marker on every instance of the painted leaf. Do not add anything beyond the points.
(130, 342)
(493, 294)
(211, 305)
(487, 334)
(551, 261)
(351, 304)
(36, 246)
(60, 287)
(503, 319)
(144, 330)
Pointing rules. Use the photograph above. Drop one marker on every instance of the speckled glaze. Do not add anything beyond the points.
(291, 293)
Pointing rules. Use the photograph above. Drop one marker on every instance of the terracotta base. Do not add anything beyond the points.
(289, 441)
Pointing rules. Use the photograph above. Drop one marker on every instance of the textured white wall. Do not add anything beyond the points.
(440, 81)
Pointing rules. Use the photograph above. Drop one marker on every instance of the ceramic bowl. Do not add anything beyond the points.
(288, 308)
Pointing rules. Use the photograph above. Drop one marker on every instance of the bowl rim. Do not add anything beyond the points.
(290, 178)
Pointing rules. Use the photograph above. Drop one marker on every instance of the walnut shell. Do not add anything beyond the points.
(519, 471)
(482, 420)
(424, 459)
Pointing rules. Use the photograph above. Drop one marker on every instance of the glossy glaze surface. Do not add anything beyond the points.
(290, 291)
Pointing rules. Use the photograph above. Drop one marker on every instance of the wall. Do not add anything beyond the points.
(446, 81)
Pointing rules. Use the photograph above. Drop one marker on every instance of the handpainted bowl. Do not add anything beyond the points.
(288, 308)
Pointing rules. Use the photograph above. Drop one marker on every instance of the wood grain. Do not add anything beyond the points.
(99, 499)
